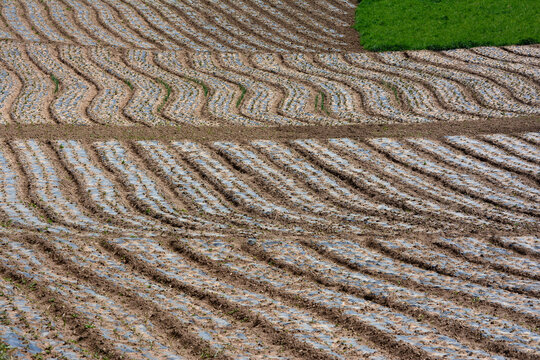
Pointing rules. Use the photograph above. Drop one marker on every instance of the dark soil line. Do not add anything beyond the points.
(267, 190)
(26, 193)
(459, 330)
(438, 158)
(419, 262)
(221, 304)
(380, 339)
(518, 249)
(138, 204)
(435, 130)
(395, 180)
(510, 150)
(474, 259)
(487, 158)
(378, 195)
(192, 207)
(461, 298)
(447, 183)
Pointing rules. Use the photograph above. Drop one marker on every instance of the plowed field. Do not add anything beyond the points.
(225, 179)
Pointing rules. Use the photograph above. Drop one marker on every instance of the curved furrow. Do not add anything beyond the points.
(146, 93)
(87, 19)
(187, 36)
(532, 137)
(246, 28)
(417, 99)
(482, 92)
(515, 146)
(285, 34)
(368, 261)
(5, 32)
(9, 90)
(203, 29)
(28, 331)
(448, 92)
(221, 100)
(495, 174)
(12, 205)
(484, 253)
(506, 56)
(46, 188)
(120, 331)
(257, 99)
(298, 97)
(486, 90)
(377, 98)
(529, 245)
(318, 23)
(221, 333)
(499, 333)
(331, 187)
(103, 196)
(394, 327)
(494, 155)
(131, 14)
(40, 19)
(187, 185)
(286, 187)
(116, 26)
(73, 92)
(459, 181)
(524, 50)
(63, 18)
(302, 97)
(411, 179)
(13, 15)
(302, 329)
(143, 191)
(106, 106)
(31, 105)
(186, 101)
(432, 258)
(344, 102)
(240, 192)
(419, 94)
(368, 181)
(518, 79)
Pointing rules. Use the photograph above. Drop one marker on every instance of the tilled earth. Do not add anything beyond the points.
(239, 180)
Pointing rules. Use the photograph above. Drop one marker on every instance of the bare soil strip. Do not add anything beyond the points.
(210, 133)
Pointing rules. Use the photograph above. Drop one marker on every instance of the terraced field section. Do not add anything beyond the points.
(309, 248)
(240, 180)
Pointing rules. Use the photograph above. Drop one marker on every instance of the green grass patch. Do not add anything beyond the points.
(199, 82)
(244, 90)
(129, 84)
(4, 348)
(169, 91)
(386, 25)
(56, 83)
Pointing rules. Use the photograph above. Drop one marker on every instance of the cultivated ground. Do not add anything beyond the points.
(238, 179)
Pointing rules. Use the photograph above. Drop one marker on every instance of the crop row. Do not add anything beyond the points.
(338, 185)
(169, 24)
(69, 84)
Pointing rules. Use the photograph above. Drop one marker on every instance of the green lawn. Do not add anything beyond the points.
(446, 24)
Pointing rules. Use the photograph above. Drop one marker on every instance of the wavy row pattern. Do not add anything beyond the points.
(84, 85)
